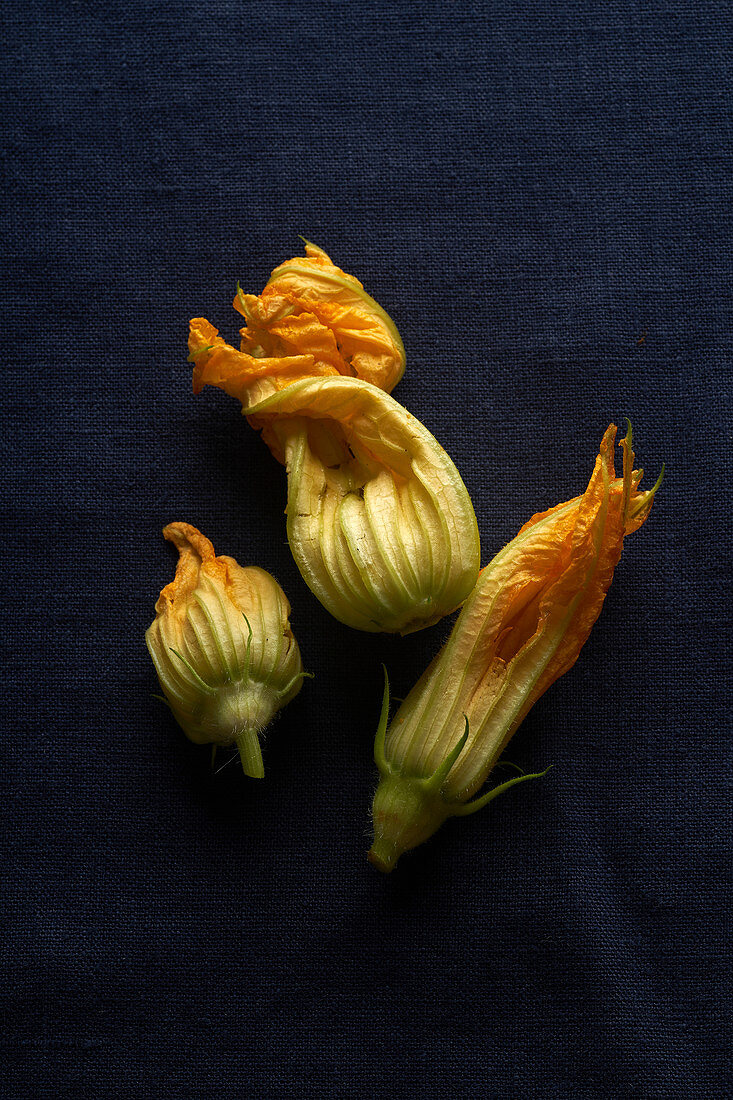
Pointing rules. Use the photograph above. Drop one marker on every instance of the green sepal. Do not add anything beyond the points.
(659, 480)
(466, 808)
(439, 776)
(207, 688)
(291, 683)
(379, 758)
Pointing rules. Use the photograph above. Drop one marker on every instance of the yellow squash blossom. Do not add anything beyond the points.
(379, 521)
(521, 628)
(222, 646)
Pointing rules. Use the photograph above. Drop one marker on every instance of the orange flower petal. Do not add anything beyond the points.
(360, 338)
(243, 376)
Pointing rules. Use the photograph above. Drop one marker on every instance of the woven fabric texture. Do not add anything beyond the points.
(540, 195)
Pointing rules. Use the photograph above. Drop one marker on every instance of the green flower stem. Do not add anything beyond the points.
(250, 753)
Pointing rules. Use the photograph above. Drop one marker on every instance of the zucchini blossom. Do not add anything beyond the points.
(521, 628)
(378, 518)
(223, 649)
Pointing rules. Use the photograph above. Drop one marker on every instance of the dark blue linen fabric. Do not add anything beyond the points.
(540, 196)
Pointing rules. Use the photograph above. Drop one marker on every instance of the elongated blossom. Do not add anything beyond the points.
(223, 649)
(521, 628)
(379, 520)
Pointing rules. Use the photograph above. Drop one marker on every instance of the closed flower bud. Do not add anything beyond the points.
(222, 646)
(521, 628)
(379, 521)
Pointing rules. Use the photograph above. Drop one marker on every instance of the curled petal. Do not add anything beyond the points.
(246, 377)
(310, 306)
(193, 550)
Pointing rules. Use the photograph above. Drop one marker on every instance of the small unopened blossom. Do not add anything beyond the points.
(223, 649)
(521, 628)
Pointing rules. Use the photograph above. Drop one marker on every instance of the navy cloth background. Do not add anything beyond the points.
(540, 196)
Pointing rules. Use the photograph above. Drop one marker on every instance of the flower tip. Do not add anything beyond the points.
(312, 249)
(187, 538)
(641, 504)
(382, 856)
